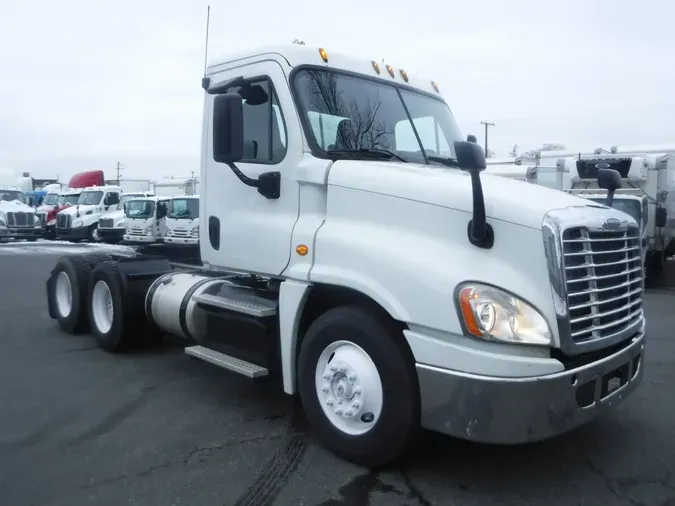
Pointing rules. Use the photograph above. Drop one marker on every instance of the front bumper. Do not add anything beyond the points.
(111, 235)
(20, 232)
(187, 241)
(521, 410)
(72, 234)
(145, 239)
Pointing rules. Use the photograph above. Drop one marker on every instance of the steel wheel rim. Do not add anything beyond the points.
(349, 388)
(64, 295)
(102, 307)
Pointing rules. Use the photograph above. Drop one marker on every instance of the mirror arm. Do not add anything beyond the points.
(248, 181)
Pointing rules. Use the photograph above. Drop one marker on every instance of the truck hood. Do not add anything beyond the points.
(73, 210)
(505, 199)
(15, 206)
(113, 215)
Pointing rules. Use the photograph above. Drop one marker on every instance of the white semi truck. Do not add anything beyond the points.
(374, 272)
(80, 221)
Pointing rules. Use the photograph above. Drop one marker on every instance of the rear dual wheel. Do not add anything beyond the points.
(67, 290)
(117, 310)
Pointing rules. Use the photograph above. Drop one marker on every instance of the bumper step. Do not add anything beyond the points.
(227, 362)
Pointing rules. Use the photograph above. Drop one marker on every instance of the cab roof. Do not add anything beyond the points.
(103, 188)
(153, 198)
(296, 55)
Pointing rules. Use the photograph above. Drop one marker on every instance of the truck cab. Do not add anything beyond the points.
(111, 225)
(80, 221)
(47, 212)
(145, 219)
(17, 219)
(182, 221)
(354, 252)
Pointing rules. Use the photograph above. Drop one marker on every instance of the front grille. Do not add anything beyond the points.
(43, 218)
(63, 220)
(20, 219)
(106, 223)
(604, 281)
(180, 233)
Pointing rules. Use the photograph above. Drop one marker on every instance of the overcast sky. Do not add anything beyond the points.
(87, 84)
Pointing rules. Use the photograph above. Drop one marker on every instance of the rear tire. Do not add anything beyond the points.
(67, 288)
(117, 310)
(358, 386)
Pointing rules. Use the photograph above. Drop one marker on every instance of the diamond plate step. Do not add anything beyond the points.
(227, 362)
(239, 301)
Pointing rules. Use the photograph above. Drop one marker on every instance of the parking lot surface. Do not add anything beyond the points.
(80, 426)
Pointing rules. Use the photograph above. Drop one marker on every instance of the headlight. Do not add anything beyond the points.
(77, 223)
(119, 224)
(495, 315)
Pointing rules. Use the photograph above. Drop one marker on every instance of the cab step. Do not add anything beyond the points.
(227, 362)
(239, 300)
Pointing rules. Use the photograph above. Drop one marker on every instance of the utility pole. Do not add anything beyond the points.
(487, 124)
(119, 168)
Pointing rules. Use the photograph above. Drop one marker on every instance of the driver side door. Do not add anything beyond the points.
(244, 230)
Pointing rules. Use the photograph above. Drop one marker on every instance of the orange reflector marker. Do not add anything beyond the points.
(390, 69)
(323, 54)
(375, 66)
(465, 297)
(301, 250)
(433, 83)
(404, 75)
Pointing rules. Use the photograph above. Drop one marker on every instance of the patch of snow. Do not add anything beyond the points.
(42, 247)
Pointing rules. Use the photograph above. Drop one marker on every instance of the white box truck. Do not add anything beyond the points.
(371, 270)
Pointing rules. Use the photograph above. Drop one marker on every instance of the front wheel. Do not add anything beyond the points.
(92, 234)
(359, 387)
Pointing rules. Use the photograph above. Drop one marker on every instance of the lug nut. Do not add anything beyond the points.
(339, 412)
(325, 390)
(330, 402)
(352, 377)
(333, 368)
(349, 413)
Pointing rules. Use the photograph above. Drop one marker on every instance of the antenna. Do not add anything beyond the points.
(206, 45)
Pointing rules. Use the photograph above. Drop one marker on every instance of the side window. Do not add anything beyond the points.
(113, 199)
(264, 129)
(430, 134)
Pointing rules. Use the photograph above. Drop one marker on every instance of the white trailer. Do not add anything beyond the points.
(172, 187)
(136, 185)
(373, 271)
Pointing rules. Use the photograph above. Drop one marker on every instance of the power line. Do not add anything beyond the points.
(487, 124)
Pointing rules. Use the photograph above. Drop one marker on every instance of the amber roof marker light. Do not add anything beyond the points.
(375, 66)
(390, 69)
(323, 54)
(404, 75)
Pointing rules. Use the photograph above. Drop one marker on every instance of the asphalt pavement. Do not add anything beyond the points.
(79, 426)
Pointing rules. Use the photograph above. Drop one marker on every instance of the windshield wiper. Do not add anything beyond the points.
(383, 154)
(448, 162)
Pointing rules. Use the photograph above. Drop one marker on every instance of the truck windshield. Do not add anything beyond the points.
(348, 115)
(183, 209)
(51, 199)
(139, 209)
(130, 196)
(91, 198)
(11, 195)
(629, 206)
(69, 199)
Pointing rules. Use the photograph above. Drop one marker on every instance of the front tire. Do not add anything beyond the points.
(358, 386)
(92, 233)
